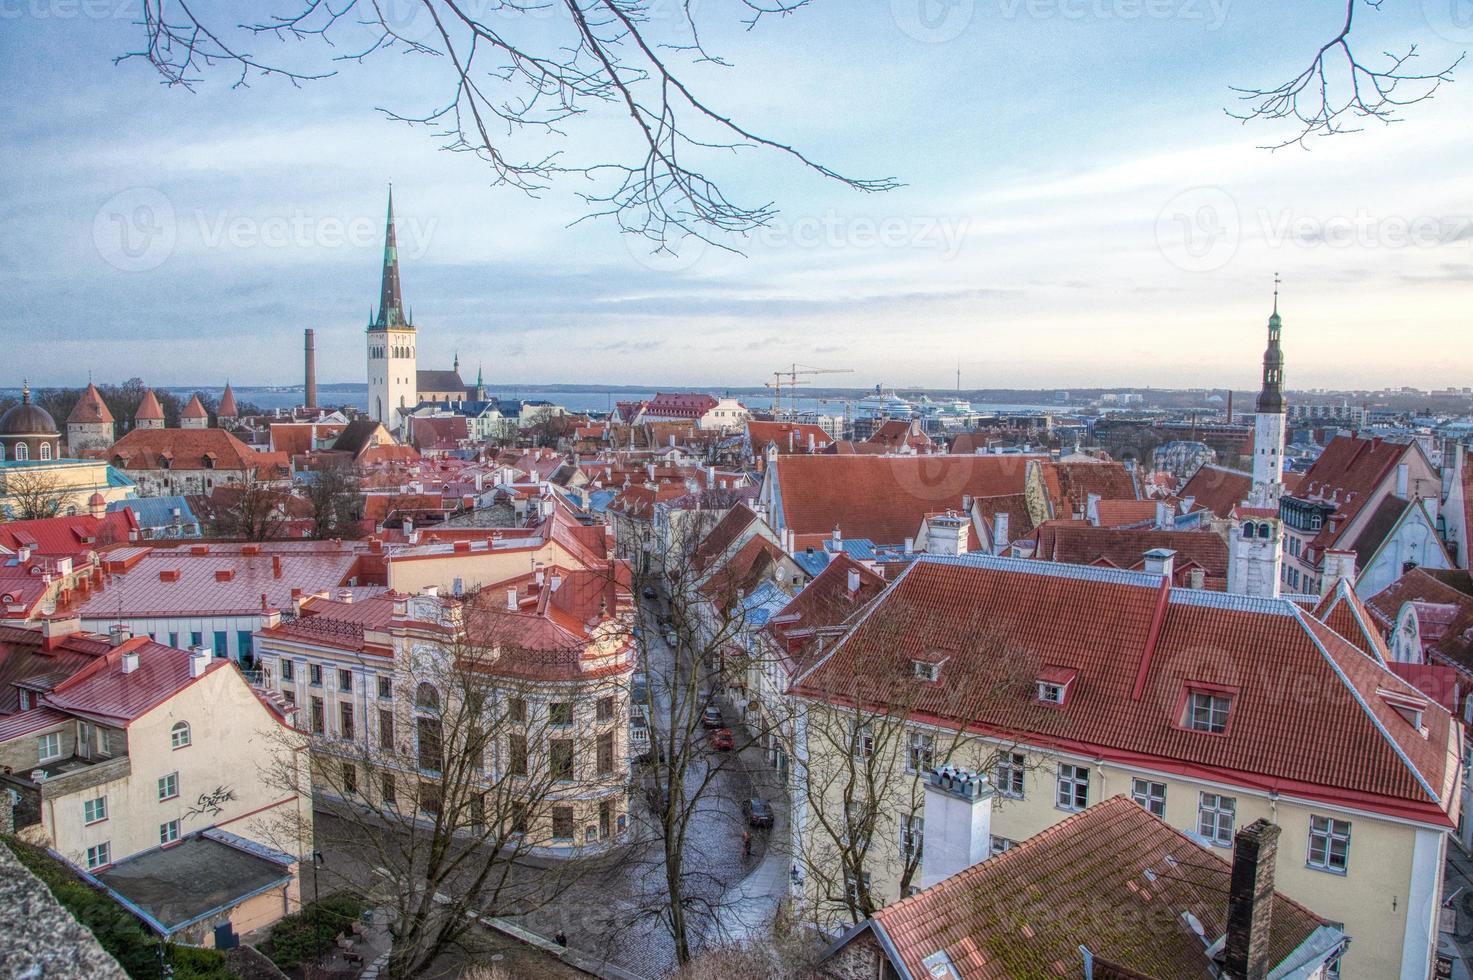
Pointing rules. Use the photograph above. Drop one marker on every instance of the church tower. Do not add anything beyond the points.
(392, 374)
(1256, 539)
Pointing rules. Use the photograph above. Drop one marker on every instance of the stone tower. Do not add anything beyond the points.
(194, 415)
(90, 427)
(1256, 540)
(392, 370)
(150, 414)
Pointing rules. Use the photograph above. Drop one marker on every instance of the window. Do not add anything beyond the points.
(605, 819)
(168, 786)
(560, 713)
(1215, 818)
(317, 717)
(999, 845)
(314, 675)
(196, 639)
(291, 696)
(426, 698)
(22, 452)
(912, 836)
(430, 755)
(388, 791)
(179, 736)
(45, 450)
(94, 810)
(386, 729)
(350, 778)
(100, 854)
(345, 680)
(1329, 844)
(1073, 787)
(345, 720)
(605, 753)
(560, 754)
(288, 670)
(853, 890)
(517, 709)
(1208, 712)
(244, 647)
(385, 688)
(921, 754)
(48, 746)
(516, 751)
(1150, 795)
(1007, 777)
(429, 796)
(925, 670)
(1050, 693)
(863, 741)
(604, 710)
(221, 644)
(562, 823)
(169, 832)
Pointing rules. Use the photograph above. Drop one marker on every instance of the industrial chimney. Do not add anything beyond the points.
(311, 380)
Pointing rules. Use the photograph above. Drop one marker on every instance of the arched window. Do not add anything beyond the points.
(1248, 529)
(426, 697)
(179, 735)
(22, 453)
(45, 450)
(1264, 530)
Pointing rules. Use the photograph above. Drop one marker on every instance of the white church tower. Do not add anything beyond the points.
(1256, 541)
(393, 377)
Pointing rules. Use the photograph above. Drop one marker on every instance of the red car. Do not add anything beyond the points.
(721, 740)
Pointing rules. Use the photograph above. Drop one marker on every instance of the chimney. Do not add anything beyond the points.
(1197, 578)
(838, 536)
(130, 661)
(199, 660)
(97, 507)
(310, 396)
(56, 628)
(910, 545)
(408, 526)
(1160, 561)
(958, 815)
(1164, 519)
(276, 566)
(853, 581)
(810, 443)
(1000, 538)
(557, 581)
(1250, 902)
(1338, 564)
(511, 599)
(1403, 472)
(946, 534)
(119, 634)
(1092, 509)
(22, 554)
(345, 596)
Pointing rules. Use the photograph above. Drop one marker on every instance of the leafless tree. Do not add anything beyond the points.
(449, 794)
(1338, 90)
(333, 496)
(34, 494)
(869, 735)
(518, 71)
(251, 510)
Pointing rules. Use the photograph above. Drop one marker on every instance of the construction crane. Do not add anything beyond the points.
(792, 375)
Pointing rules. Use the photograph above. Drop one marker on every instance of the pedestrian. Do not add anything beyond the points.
(561, 937)
(746, 843)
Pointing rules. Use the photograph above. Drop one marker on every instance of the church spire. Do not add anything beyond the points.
(391, 303)
(1271, 395)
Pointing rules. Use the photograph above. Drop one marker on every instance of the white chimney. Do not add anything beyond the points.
(1000, 538)
(1403, 472)
(910, 545)
(838, 536)
(958, 815)
(1164, 520)
(557, 581)
(198, 661)
(511, 599)
(853, 580)
(345, 596)
(130, 661)
(1160, 561)
(1092, 509)
(1338, 564)
(810, 443)
(946, 534)
(22, 554)
(1197, 578)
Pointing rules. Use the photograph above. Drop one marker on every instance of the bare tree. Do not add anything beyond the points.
(34, 494)
(455, 788)
(869, 735)
(515, 73)
(251, 510)
(1338, 90)
(333, 496)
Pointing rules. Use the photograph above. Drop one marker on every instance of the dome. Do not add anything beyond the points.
(26, 419)
(97, 500)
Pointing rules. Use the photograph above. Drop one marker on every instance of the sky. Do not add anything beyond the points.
(1077, 208)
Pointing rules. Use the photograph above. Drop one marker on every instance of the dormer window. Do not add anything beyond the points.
(1050, 693)
(1408, 706)
(925, 670)
(1207, 711)
(1053, 684)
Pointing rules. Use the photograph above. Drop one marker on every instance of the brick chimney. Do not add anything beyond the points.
(958, 815)
(309, 395)
(1245, 952)
(57, 627)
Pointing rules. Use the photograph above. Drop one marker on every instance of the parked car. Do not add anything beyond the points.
(758, 812)
(711, 717)
(721, 739)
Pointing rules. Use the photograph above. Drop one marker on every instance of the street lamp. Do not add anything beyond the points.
(317, 861)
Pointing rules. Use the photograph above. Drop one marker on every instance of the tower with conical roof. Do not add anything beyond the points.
(392, 368)
(227, 413)
(194, 415)
(1256, 541)
(150, 414)
(90, 426)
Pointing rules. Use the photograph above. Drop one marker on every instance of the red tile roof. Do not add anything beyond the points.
(721, 537)
(185, 449)
(895, 435)
(1078, 543)
(73, 536)
(1077, 480)
(788, 437)
(195, 409)
(885, 498)
(149, 409)
(103, 690)
(1344, 613)
(1451, 587)
(23, 657)
(90, 408)
(1125, 513)
(437, 433)
(227, 407)
(1114, 880)
(1146, 647)
(1347, 474)
(295, 438)
(1217, 489)
(824, 603)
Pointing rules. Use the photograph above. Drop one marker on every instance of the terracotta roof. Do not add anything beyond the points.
(1114, 880)
(1078, 543)
(1147, 646)
(885, 498)
(227, 407)
(295, 438)
(1125, 513)
(22, 656)
(149, 409)
(721, 537)
(788, 437)
(438, 432)
(1217, 488)
(1453, 586)
(1344, 613)
(75, 536)
(1077, 480)
(90, 408)
(895, 434)
(749, 567)
(824, 603)
(329, 622)
(103, 690)
(185, 449)
(1346, 475)
(195, 409)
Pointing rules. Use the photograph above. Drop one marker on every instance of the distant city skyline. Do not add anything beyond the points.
(1125, 237)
